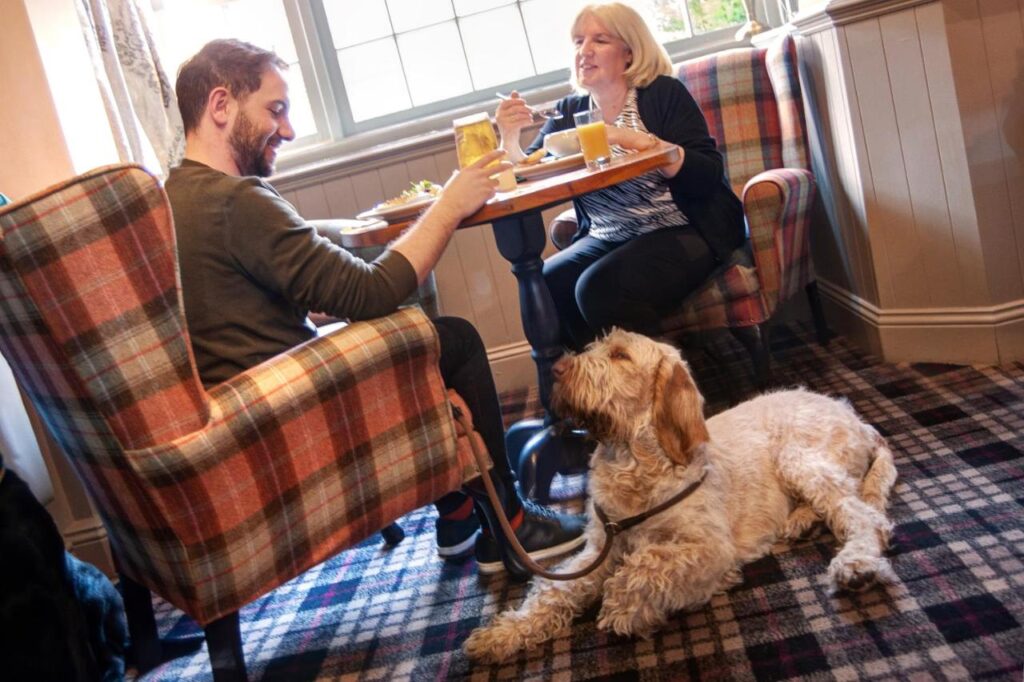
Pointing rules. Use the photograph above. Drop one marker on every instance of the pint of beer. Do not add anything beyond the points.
(474, 137)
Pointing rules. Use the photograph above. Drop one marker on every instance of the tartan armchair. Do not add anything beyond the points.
(210, 498)
(753, 105)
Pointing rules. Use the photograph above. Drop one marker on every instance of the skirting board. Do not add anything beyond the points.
(986, 335)
(513, 366)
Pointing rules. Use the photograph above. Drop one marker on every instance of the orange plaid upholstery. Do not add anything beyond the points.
(210, 498)
(752, 102)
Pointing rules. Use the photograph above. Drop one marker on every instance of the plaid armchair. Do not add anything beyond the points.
(210, 498)
(752, 101)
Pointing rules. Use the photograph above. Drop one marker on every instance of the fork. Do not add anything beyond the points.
(549, 112)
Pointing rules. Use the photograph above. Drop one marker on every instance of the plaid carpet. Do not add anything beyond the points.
(956, 613)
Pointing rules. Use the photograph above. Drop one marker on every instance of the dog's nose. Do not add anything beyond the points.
(559, 369)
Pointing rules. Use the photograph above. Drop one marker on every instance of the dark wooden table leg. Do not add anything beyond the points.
(544, 449)
(521, 240)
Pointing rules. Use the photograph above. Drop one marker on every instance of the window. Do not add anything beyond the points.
(182, 27)
(387, 62)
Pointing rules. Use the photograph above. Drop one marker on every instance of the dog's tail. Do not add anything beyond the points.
(880, 477)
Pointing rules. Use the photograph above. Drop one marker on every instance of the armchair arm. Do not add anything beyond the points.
(563, 228)
(304, 454)
(777, 204)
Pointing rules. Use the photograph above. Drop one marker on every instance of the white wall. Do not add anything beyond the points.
(922, 258)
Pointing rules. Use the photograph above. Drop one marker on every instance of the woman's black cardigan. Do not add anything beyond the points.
(700, 189)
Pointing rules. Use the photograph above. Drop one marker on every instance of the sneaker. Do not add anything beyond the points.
(455, 539)
(544, 534)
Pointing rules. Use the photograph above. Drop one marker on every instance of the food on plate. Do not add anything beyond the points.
(418, 190)
(563, 142)
(533, 157)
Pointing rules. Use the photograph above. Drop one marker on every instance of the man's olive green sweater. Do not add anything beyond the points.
(252, 270)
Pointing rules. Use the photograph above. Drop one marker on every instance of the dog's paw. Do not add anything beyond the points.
(505, 636)
(729, 579)
(852, 573)
(800, 523)
(622, 624)
(629, 620)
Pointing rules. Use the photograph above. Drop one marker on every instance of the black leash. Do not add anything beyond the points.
(611, 528)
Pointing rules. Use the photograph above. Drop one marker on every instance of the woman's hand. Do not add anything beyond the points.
(627, 138)
(512, 115)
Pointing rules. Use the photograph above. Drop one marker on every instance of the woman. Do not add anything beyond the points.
(644, 244)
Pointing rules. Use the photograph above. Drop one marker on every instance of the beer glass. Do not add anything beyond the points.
(474, 137)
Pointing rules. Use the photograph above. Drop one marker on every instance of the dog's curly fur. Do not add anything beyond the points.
(775, 465)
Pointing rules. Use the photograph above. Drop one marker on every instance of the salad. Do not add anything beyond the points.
(417, 190)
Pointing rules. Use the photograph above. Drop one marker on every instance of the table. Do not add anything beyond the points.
(546, 446)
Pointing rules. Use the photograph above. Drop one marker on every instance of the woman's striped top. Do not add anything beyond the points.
(633, 207)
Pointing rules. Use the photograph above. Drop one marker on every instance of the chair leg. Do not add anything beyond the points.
(138, 607)
(224, 641)
(392, 534)
(820, 326)
(755, 340)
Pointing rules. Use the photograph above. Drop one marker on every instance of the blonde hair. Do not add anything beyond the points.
(650, 59)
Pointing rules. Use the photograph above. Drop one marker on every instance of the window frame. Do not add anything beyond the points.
(338, 134)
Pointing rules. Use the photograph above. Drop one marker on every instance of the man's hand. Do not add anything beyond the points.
(470, 188)
(464, 193)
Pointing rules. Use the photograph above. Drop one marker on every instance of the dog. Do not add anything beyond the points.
(765, 470)
(62, 618)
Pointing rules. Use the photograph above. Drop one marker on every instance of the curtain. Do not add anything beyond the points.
(137, 95)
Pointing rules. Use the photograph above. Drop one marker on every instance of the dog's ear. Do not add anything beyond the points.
(678, 412)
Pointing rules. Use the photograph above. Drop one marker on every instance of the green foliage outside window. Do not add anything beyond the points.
(709, 15)
(669, 16)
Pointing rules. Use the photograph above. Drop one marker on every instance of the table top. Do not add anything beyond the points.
(538, 194)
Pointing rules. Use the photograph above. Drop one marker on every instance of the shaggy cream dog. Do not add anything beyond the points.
(772, 467)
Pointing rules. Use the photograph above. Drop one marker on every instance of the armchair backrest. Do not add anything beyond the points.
(753, 105)
(91, 317)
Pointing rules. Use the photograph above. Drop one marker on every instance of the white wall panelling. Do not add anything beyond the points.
(912, 102)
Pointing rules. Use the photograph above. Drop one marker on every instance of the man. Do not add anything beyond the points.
(252, 270)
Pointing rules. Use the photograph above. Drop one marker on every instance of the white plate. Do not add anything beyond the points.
(394, 214)
(546, 168)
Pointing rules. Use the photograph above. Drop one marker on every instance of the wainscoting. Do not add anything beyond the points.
(916, 122)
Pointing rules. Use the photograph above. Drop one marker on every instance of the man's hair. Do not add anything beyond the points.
(233, 64)
(650, 59)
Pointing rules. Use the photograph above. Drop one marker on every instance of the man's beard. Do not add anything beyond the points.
(248, 148)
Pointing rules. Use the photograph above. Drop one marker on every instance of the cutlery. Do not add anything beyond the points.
(550, 112)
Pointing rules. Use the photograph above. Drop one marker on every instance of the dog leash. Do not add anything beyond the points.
(611, 528)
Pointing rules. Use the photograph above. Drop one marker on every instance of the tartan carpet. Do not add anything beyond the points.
(956, 613)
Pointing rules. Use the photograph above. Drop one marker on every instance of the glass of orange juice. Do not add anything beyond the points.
(593, 138)
(474, 137)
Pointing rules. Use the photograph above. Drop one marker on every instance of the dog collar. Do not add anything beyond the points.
(613, 528)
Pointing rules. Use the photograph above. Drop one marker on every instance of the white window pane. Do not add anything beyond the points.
(434, 63)
(181, 28)
(353, 23)
(496, 47)
(549, 25)
(409, 14)
(299, 112)
(464, 7)
(373, 79)
(667, 20)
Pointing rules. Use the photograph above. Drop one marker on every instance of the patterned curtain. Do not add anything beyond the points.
(138, 97)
